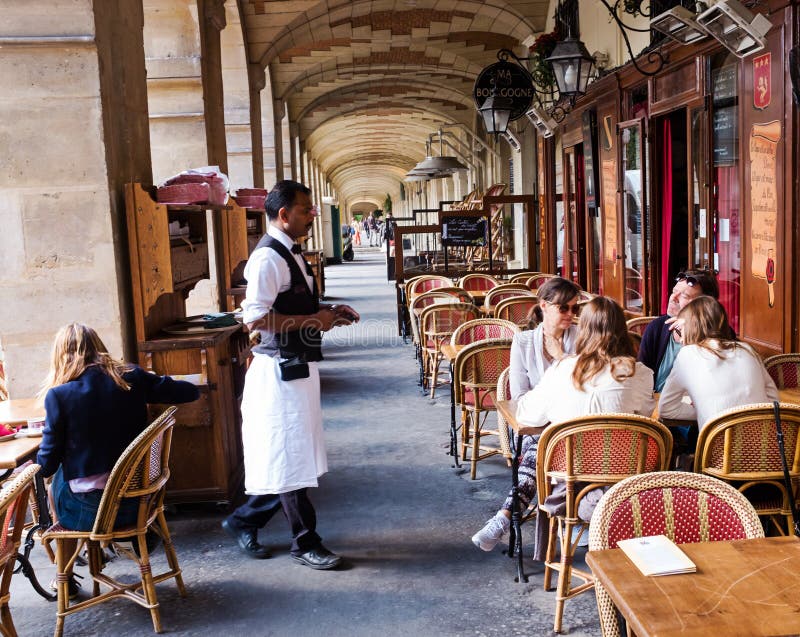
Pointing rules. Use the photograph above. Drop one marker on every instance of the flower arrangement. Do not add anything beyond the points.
(541, 69)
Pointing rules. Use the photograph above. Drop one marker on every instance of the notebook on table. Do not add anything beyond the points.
(657, 555)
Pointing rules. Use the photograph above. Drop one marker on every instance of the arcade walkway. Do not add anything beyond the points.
(391, 504)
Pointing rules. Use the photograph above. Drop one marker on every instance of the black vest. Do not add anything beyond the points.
(298, 299)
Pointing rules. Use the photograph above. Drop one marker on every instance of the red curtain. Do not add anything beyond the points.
(728, 240)
(666, 211)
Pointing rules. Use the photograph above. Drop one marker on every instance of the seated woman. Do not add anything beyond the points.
(95, 407)
(532, 353)
(715, 371)
(603, 377)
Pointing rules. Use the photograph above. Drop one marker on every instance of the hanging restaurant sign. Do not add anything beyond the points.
(764, 140)
(463, 231)
(511, 81)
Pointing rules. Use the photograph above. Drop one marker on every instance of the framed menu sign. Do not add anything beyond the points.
(463, 231)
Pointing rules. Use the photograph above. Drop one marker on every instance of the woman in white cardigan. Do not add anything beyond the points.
(714, 371)
(603, 377)
(532, 354)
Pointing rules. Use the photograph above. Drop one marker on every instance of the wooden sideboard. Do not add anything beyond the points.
(206, 460)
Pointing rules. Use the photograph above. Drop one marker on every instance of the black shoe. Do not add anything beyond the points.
(319, 558)
(247, 540)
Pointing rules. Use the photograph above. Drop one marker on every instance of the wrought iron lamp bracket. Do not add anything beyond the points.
(634, 7)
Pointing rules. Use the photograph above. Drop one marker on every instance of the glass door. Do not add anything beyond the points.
(632, 218)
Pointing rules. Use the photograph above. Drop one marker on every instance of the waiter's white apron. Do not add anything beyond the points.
(282, 436)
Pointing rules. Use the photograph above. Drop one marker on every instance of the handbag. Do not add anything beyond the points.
(294, 368)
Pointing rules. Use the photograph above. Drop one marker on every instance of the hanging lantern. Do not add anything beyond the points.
(572, 66)
(496, 113)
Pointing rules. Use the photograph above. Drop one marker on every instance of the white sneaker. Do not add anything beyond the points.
(488, 537)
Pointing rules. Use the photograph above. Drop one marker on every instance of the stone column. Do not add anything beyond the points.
(257, 81)
(74, 125)
(212, 22)
(278, 110)
(293, 151)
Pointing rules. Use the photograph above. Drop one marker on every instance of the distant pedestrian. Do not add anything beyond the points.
(356, 234)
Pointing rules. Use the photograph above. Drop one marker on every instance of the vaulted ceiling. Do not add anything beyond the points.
(367, 81)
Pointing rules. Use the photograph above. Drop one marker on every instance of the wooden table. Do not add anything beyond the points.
(790, 395)
(508, 410)
(14, 453)
(17, 412)
(744, 587)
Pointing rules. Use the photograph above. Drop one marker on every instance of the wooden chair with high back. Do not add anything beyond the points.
(141, 472)
(476, 371)
(517, 309)
(583, 454)
(437, 324)
(538, 280)
(478, 283)
(415, 307)
(639, 324)
(522, 277)
(502, 292)
(784, 369)
(686, 507)
(740, 446)
(481, 330)
(13, 508)
(426, 283)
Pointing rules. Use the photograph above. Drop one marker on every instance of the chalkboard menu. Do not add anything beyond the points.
(725, 129)
(463, 231)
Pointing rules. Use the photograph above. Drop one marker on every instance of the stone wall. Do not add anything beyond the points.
(57, 255)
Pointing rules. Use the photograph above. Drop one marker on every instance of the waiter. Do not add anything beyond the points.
(284, 449)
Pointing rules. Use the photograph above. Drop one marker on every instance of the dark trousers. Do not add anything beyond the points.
(259, 509)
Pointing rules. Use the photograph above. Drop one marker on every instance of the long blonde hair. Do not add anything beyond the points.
(77, 347)
(603, 341)
(706, 325)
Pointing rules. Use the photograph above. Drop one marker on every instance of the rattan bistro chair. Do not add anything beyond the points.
(784, 369)
(505, 291)
(13, 507)
(476, 371)
(686, 507)
(482, 329)
(141, 472)
(538, 280)
(479, 283)
(583, 454)
(740, 446)
(518, 310)
(639, 324)
(437, 324)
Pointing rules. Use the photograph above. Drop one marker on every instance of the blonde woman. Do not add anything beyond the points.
(712, 369)
(95, 407)
(603, 377)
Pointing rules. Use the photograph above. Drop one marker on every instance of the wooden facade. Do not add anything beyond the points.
(696, 167)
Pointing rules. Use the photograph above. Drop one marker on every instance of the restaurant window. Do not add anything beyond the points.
(633, 216)
(559, 206)
(726, 246)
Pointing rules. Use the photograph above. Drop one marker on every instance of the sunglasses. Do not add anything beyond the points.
(563, 308)
(691, 280)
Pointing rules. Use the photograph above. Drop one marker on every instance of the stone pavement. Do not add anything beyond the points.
(391, 504)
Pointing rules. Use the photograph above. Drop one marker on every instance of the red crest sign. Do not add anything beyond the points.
(762, 81)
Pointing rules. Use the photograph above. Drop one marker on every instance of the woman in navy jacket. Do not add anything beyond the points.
(95, 407)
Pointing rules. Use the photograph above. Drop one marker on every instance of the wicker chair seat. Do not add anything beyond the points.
(485, 397)
(482, 329)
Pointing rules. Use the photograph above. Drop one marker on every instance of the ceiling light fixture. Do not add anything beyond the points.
(679, 24)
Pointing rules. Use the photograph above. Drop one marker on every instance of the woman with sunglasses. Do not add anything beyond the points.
(714, 370)
(532, 353)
